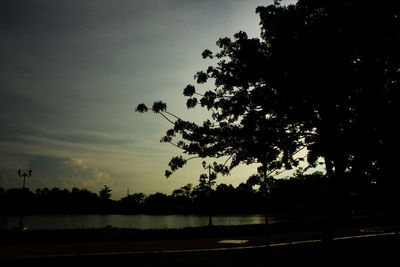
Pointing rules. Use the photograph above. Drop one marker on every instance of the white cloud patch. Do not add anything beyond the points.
(85, 176)
(59, 172)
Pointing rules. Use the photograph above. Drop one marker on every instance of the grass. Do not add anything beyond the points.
(374, 251)
(121, 234)
(377, 251)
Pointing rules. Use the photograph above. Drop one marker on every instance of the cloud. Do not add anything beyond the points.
(58, 172)
(86, 176)
(9, 178)
(73, 71)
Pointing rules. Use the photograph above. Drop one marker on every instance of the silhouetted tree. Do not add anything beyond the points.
(133, 203)
(158, 203)
(105, 193)
(324, 76)
(184, 191)
(3, 207)
(84, 201)
(182, 198)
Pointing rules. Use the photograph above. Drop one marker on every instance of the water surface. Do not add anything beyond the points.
(49, 222)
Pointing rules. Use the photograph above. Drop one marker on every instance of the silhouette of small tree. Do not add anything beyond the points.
(105, 193)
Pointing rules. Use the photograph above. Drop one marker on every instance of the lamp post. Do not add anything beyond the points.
(209, 167)
(23, 174)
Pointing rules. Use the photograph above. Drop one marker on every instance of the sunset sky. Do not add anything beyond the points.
(73, 71)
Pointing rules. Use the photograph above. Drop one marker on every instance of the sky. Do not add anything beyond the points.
(72, 73)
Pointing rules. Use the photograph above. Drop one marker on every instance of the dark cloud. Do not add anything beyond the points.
(9, 178)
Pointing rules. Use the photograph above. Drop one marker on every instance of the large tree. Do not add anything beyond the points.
(323, 76)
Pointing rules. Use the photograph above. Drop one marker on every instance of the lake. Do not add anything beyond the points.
(50, 222)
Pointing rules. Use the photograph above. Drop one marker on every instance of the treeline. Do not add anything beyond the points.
(300, 194)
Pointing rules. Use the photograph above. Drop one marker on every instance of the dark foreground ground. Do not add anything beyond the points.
(355, 245)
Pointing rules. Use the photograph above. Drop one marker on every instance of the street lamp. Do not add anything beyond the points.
(209, 167)
(23, 174)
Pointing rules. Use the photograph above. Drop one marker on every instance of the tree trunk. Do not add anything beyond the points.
(267, 230)
(330, 210)
(335, 172)
(328, 227)
(266, 210)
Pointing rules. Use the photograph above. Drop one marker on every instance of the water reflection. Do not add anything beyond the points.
(47, 222)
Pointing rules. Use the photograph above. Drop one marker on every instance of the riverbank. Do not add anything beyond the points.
(362, 241)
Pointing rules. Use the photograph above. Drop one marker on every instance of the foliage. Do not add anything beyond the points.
(323, 76)
(184, 191)
(105, 193)
(300, 194)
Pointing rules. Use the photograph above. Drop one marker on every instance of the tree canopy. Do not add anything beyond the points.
(105, 193)
(323, 76)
